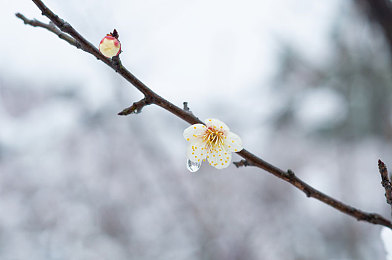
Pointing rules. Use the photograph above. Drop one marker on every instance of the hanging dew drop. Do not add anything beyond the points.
(193, 166)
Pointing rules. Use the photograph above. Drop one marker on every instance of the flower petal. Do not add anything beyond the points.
(233, 142)
(217, 124)
(219, 158)
(194, 132)
(196, 151)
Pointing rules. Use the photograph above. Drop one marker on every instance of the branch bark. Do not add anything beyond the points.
(51, 27)
(385, 182)
(154, 98)
(136, 107)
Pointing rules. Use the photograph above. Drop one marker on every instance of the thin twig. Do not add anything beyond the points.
(136, 107)
(186, 108)
(385, 182)
(190, 118)
(51, 27)
(242, 163)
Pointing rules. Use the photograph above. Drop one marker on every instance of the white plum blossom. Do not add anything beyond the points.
(212, 141)
(386, 236)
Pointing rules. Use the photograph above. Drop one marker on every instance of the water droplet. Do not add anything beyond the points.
(193, 166)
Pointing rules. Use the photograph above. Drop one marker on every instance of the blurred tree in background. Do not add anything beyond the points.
(354, 84)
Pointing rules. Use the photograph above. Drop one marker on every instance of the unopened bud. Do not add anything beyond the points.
(110, 46)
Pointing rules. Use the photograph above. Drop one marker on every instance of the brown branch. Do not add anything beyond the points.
(136, 107)
(385, 182)
(242, 163)
(309, 191)
(51, 27)
(190, 118)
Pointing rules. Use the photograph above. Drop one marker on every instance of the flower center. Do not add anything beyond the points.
(213, 138)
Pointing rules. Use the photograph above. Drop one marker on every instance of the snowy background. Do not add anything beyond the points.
(306, 84)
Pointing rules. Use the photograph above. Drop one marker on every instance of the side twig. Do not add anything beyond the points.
(51, 27)
(136, 107)
(186, 108)
(385, 182)
(250, 158)
(242, 163)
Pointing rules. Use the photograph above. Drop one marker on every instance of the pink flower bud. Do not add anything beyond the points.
(110, 46)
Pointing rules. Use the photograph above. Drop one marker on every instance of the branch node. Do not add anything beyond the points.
(290, 173)
(116, 62)
(186, 108)
(136, 107)
(385, 181)
(307, 192)
(65, 27)
(243, 163)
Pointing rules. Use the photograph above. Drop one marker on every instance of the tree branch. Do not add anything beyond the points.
(250, 158)
(385, 182)
(51, 27)
(242, 163)
(136, 107)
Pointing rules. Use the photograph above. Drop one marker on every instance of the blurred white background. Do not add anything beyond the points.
(306, 85)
